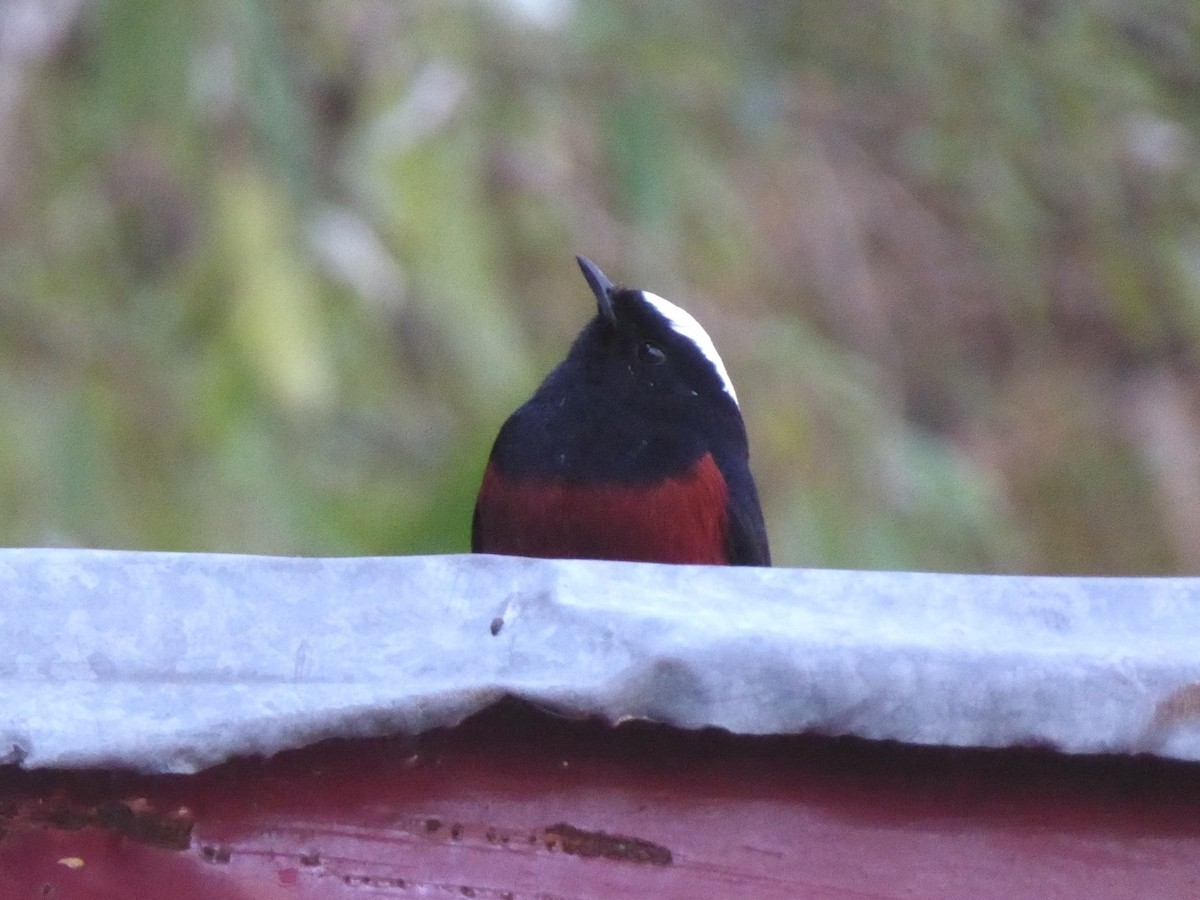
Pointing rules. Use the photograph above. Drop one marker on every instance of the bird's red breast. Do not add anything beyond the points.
(677, 520)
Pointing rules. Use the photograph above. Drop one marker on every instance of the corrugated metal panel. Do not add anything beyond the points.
(171, 662)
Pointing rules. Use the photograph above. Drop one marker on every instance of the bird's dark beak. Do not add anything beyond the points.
(601, 287)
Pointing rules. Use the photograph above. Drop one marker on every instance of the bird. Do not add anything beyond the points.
(633, 448)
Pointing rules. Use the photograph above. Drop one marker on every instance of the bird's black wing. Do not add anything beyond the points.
(746, 538)
(476, 537)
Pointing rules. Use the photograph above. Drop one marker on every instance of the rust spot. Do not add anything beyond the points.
(497, 624)
(578, 842)
(217, 854)
(135, 819)
(310, 859)
(67, 818)
(140, 822)
(456, 831)
(373, 882)
(432, 825)
(1181, 705)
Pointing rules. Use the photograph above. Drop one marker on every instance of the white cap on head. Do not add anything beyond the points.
(683, 323)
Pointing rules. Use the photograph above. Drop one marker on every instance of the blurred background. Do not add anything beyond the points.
(273, 273)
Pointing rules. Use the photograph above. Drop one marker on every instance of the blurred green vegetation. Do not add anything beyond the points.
(272, 274)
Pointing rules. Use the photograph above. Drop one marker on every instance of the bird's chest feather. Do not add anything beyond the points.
(679, 519)
(592, 438)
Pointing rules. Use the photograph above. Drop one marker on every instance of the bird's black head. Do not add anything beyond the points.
(645, 354)
(642, 394)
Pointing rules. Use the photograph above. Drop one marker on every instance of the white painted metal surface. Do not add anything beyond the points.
(173, 662)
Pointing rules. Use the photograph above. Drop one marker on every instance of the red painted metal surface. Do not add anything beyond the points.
(518, 804)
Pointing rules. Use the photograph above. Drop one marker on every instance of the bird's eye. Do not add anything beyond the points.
(651, 353)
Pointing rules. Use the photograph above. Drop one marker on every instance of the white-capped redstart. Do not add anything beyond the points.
(633, 448)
